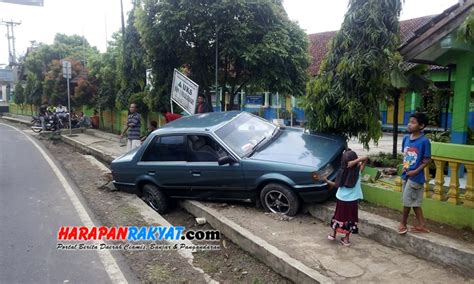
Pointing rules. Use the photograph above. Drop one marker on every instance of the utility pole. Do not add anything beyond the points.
(83, 47)
(67, 74)
(123, 21)
(11, 40)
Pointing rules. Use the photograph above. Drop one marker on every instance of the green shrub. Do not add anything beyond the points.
(470, 136)
(440, 136)
(384, 160)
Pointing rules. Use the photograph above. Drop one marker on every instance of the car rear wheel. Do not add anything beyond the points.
(278, 198)
(155, 198)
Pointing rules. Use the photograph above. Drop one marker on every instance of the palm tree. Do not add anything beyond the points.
(406, 78)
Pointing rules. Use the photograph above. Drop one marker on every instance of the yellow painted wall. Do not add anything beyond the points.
(401, 111)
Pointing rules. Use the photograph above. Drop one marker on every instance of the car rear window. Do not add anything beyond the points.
(165, 149)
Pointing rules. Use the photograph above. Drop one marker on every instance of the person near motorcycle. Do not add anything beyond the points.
(43, 114)
(61, 111)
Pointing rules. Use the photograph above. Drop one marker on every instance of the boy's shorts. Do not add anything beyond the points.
(412, 193)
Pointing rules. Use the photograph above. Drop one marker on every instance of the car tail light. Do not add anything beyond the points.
(322, 173)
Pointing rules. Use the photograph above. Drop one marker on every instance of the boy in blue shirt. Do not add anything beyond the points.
(416, 149)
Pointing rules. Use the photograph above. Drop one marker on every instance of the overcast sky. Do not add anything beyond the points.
(98, 19)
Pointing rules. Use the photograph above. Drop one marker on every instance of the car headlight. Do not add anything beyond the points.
(322, 173)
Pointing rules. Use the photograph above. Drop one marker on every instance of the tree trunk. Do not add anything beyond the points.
(396, 99)
(223, 102)
(209, 99)
(231, 101)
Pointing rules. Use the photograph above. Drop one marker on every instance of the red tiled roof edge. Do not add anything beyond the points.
(319, 42)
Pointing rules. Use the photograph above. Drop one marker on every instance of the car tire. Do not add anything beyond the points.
(278, 198)
(155, 198)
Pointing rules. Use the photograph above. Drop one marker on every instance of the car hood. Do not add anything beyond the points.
(294, 146)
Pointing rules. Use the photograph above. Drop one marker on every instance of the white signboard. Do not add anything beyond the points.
(149, 79)
(184, 92)
(66, 69)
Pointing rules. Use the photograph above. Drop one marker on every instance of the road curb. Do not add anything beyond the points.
(15, 120)
(88, 149)
(278, 260)
(432, 247)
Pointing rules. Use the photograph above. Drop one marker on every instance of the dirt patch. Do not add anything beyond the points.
(230, 264)
(465, 235)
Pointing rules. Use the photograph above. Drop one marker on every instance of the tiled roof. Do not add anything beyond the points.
(319, 42)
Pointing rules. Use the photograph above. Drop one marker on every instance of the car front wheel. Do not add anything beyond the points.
(155, 198)
(278, 198)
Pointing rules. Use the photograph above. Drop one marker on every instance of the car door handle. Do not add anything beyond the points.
(195, 173)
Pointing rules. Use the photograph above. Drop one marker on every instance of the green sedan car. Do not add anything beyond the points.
(230, 156)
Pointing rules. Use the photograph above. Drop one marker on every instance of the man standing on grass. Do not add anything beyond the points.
(416, 150)
(133, 127)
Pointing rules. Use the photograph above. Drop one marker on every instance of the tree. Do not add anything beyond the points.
(355, 75)
(133, 71)
(258, 45)
(33, 90)
(84, 94)
(74, 46)
(43, 64)
(104, 70)
(55, 85)
(19, 96)
(160, 41)
(405, 78)
(466, 30)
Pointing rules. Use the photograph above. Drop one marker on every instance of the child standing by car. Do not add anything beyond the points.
(349, 192)
(416, 150)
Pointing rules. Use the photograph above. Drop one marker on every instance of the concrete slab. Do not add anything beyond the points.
(431, 247)
(304, 239)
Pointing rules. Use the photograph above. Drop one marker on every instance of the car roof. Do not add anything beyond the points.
(210, 121)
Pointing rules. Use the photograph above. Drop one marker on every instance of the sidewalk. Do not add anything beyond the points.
(305, 240)
(304, 237)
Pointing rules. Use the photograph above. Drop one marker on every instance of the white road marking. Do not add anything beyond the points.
(110, 265)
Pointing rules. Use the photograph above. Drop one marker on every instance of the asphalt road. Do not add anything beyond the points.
(34, 204)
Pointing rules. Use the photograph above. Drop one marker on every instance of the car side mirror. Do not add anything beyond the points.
(226, 160)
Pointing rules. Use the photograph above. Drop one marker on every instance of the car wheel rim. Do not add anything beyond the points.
(277, 202)
(150, 201)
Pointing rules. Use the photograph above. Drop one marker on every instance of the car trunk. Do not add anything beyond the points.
(294, 146)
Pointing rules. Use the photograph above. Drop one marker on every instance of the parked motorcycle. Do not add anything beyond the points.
(52, 123)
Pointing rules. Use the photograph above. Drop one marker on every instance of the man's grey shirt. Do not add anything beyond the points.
(134, 123)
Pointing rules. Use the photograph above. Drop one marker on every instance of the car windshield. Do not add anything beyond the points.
(245, 132)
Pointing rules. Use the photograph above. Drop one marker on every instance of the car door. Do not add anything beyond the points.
(208, 179)
(164, 161)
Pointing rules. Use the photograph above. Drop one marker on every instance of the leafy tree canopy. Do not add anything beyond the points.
(258, 45)
(104, 73)
(133, 66)
(43, 68)
(355, 75)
